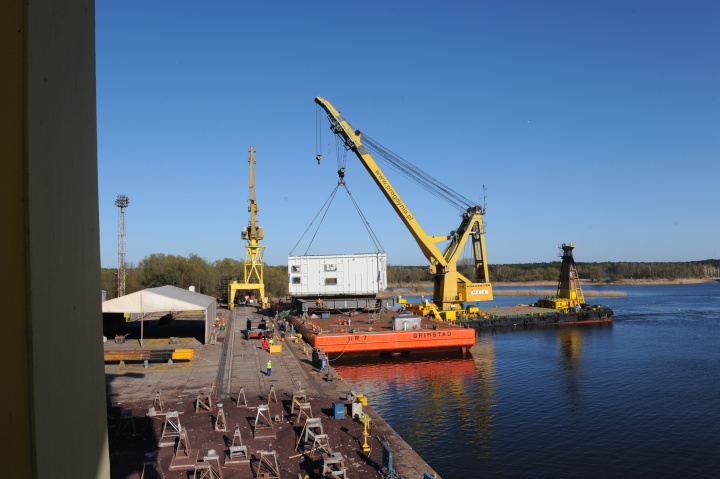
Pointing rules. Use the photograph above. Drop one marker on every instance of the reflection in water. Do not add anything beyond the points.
(571, 340)
(572, 346)
(433, 401)
(483, 402)
(632, 398)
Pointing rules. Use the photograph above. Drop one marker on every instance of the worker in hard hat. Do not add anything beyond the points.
(269, 368)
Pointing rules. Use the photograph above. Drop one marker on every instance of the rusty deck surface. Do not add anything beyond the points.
(341, 322)
(233, 373)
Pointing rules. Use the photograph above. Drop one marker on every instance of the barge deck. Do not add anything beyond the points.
(366, 334)
(514, 316)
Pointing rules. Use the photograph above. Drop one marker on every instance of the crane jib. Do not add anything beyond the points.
(451, 288)
(393, 195)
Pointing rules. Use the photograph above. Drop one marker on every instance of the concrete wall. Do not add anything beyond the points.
(53, 408)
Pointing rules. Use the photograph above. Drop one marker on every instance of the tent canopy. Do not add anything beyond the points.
(164, 298)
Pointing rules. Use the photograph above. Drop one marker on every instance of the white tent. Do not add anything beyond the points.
(164, 298)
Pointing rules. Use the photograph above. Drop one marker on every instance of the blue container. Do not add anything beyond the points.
(339, 411)
(325, 315)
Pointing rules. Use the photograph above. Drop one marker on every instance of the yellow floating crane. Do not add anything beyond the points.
(451, 288)
(253, 278)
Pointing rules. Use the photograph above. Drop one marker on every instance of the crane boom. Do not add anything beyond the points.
(353, 141)
(451, 288)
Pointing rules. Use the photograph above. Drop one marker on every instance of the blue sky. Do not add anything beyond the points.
(594, 122)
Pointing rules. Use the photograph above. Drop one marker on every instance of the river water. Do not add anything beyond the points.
(639, 397)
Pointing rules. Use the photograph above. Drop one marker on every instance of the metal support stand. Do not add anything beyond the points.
(313, 427)
(207, 470)
(204, 401)
(151, 467)
(298, 398)
(263, 422)
(320, 444)
(334, 466)
(220, 423)
(272, 393)
(183, 445)
(184, 458)
(237, 452)
(171, 429)
(126, 420)
(237, 438)
(304, 411)
(158, 402)
(268, 467)
(241, 397)
(237, 455)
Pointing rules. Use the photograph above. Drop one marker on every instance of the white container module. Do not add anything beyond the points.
(332, 275)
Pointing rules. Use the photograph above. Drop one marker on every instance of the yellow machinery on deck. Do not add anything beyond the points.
(569, 294)
(253, 277)
(450, 287)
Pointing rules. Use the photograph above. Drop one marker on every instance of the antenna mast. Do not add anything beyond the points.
(121, 202)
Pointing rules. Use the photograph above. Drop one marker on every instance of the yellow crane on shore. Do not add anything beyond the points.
(253, 267)
(450, 288)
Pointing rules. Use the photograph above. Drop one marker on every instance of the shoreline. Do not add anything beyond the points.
(425, 288)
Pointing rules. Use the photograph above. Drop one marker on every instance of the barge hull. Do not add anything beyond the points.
(600, 315)
(366, 343)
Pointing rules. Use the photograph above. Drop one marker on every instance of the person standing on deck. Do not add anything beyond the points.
(269, 368)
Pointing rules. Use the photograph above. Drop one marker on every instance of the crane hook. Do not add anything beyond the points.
(318, 157)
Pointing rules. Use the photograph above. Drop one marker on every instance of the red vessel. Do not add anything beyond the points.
(365, 335)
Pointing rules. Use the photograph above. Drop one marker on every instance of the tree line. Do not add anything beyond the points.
(210, 277)
(595, 272)
(207, 277)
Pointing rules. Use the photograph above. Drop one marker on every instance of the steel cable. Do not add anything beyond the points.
(323, 207)
(418, 176)
(369, 229)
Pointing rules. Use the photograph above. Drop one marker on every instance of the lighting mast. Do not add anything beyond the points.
(121, 202)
